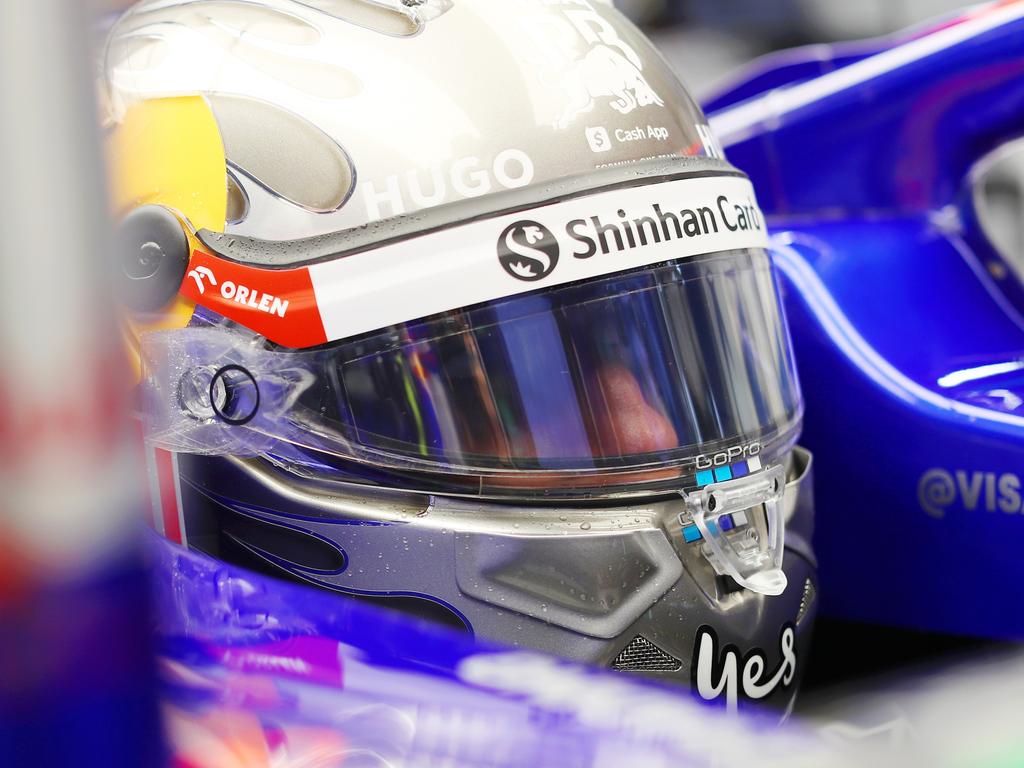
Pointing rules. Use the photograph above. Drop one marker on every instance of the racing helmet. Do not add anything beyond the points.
(456, 305)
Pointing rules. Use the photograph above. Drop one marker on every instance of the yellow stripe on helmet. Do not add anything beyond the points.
(169, 152)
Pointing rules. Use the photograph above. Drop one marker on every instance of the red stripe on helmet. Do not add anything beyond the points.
(149, 503)
(169, 502)
(277, 303)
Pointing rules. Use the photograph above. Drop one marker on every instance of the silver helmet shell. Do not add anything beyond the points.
(338, 113)
(364, 117)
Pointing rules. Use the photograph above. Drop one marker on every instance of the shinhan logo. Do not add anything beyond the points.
(528, 251)
(240, 294)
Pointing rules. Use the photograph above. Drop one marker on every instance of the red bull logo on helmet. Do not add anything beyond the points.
(607, 72)
(593, 63)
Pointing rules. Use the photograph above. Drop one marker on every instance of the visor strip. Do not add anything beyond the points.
(481, 261)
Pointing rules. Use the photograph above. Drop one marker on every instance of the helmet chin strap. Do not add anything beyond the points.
(740, 524)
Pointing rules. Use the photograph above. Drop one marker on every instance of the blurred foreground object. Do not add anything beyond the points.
(260, 673)
(955, 717)
(907, 319)
(75, 671)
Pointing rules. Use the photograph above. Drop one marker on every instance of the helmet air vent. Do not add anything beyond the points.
(641, 655)
(284, 153)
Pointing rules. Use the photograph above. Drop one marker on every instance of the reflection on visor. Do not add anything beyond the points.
(645, 370)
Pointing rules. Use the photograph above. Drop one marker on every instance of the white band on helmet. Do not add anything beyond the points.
(481, 261)
(560, 243)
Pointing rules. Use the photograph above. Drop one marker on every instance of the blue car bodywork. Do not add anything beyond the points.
(907, 323)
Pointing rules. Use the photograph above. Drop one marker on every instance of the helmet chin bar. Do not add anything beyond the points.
(741, 525)
(528, 574)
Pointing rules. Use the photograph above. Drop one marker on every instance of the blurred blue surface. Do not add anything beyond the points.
(907, 323)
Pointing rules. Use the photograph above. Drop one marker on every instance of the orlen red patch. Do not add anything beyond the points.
(277, 303)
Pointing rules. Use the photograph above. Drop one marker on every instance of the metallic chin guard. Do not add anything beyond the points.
(742, 528)
(623, 585)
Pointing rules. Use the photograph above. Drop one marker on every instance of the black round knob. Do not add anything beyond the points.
(152, 254)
